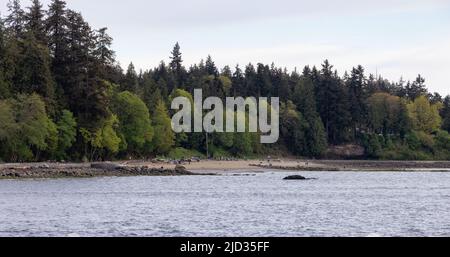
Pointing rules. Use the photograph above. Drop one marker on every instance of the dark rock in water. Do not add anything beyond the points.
(297, 177)
(105, 166)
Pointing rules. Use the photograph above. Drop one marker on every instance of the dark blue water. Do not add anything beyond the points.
(337, 204)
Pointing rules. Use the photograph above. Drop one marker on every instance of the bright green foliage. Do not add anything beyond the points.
(135, 125)
(425, 116)
(164, 137)
(102, 138)
(67, 131)
(26, 129)
(225, 83)
(182, 153)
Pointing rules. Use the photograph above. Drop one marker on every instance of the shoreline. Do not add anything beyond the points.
(209, 167)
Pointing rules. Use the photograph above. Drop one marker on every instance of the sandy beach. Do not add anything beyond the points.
(304, 165)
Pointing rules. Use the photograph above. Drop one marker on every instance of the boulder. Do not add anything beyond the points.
(296, 177)
(181, 169)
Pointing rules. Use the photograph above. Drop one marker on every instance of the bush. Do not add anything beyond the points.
(183, 153)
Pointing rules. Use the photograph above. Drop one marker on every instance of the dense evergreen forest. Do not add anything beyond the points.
(63, 96)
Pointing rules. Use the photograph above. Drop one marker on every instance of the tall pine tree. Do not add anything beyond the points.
(357, 96)
(34, 22)
(16, 18)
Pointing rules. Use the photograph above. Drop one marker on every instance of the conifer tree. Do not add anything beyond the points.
(34, 70)
(332, 104)
(34, 21)
(176, 64)
(445, 113)
(16, 18)
(56, 27)
(356, 90)
(417, 88)
(4, 85)
(102, 49)
(131, 80)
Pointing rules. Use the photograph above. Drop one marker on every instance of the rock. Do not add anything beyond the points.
(106, 166)
(181, 169)
(295, 177)
(44, 166)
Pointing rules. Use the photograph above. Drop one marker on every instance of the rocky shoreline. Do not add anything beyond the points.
(207, 167)
(358, 165)
(86, 171)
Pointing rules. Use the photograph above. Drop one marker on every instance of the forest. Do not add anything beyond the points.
(63, 96)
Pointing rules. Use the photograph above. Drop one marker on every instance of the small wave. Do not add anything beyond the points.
(73, 235)
(374, 235)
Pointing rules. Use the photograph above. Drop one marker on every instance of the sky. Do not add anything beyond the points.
(392, 38)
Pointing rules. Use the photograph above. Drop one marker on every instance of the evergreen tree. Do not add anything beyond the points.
(293, 127)
(56, 28)
(177, 68)
(304, 99)
(34, 72)
(4, 85)
(131, 80)
(164, 80)
(250, 81)
(16, 18)
(238, 83)
(151, 92)
(34, 22)
(226, 71)
(417, 88)
(102, 49)
(356, 87)
(445, 113)
(210, 67)
(332, 104)
(263, 82)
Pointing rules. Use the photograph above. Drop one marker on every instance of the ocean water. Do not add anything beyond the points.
(263, 204)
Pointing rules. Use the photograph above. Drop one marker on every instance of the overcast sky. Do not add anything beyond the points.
(394, 37)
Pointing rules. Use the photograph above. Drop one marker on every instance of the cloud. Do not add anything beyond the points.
(431, 61)
(159, 14)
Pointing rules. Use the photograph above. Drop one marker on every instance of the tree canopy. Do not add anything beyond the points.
(63, 95)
